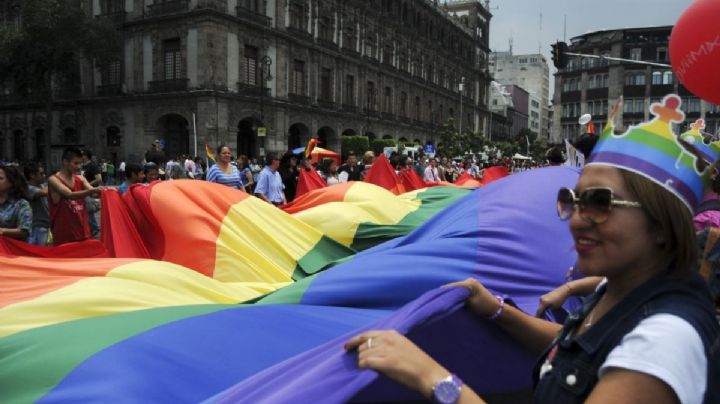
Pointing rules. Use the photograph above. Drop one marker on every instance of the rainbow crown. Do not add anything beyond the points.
(677, 163)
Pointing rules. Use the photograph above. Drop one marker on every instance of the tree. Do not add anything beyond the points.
(42, 54)
(453, 143)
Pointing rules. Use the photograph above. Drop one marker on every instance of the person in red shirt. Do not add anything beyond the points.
(66, 200)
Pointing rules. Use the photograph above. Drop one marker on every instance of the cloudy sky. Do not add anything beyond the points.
(520, 19)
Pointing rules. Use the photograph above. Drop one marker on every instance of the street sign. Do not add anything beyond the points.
(429, 149)
(262, 132)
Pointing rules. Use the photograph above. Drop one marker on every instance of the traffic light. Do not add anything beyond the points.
(559, 54)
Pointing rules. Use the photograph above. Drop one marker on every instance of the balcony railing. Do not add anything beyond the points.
(299, 99)
(250, 15)
(217, 5)
(327, 43)
(116, 17)
(349, 108)
(168, 7)
(109, 90)
(165, 86)
(253, 90)
(327, 104)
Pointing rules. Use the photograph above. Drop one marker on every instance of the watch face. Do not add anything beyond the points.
(446, 392)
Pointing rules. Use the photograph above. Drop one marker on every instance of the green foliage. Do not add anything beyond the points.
(49, 43)
(452, 143)
(357, 144)
(379, 144)
(44, 52)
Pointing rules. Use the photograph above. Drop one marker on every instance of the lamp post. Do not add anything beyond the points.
(461, 86)
(265, 75)
(370, 99)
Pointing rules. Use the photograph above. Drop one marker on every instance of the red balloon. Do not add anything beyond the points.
(695, 49)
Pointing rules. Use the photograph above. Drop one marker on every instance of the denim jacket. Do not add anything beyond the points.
(570, 365)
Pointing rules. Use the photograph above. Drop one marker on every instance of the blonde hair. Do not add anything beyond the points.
(368, 157)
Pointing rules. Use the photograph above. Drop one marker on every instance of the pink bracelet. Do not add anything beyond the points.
(499, 310)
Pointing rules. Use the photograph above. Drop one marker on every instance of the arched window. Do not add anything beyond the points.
(667, 78)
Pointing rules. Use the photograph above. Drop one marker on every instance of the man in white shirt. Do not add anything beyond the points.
(431, 172)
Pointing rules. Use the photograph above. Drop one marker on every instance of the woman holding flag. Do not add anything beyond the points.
(649, 333)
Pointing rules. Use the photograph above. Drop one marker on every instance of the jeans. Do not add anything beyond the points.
(38, 236)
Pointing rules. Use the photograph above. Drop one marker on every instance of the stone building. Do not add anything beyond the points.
(592, 85)
(193, 72)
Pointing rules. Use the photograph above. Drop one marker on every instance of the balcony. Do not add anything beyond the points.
(168, 7)
(349, 108)
(252, 16)
(299, 99)
(350, 52)
(327, 104)
(253, 90)
(217, 5)
(327, 43)
(116, 17)
(109, 90)
(299, 33)
(166, 86)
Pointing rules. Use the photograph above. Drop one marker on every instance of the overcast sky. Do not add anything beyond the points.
(520, 19)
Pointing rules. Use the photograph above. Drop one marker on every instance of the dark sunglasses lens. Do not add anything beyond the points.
(595, 204)
(565, 203)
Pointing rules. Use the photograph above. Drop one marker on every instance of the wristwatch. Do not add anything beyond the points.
(447, 390)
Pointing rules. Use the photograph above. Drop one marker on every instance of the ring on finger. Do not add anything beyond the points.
(369, 343)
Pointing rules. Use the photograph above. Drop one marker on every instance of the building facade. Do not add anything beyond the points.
(531, 72)
(593, 85)
(195, 72)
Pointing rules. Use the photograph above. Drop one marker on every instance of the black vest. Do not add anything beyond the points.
(577, 359)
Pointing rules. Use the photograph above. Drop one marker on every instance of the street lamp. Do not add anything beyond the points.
(461, 86)
(265, 75)
(370, 103)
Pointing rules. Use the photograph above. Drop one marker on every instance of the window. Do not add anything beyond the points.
(111, 74)
(326, 30)
(349, 36)
(298, 17)
(403, 104)
(113, 136)
(252, 5)
(371, 104)
(250, 61)
(635, 79)
(662, 54)
(112, 6)
(667, 78)
(636, 54)
(173, 59)
(417, 108)
(349, 90)
(388, 55)
(522, 60)
(430, 110)
(298, 82)
(691, 105)
(370, 48)
(388, 100)
(634, 106)
(326, 84)
(657, 78)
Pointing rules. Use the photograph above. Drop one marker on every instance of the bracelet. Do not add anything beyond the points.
(499, 310)
(569, 287)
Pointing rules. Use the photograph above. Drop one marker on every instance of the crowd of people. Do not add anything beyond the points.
(64, 207)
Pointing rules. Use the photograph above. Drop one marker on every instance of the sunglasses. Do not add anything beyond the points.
(595, 204)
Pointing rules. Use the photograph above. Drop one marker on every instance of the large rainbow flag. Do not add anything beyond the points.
(238, 301)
